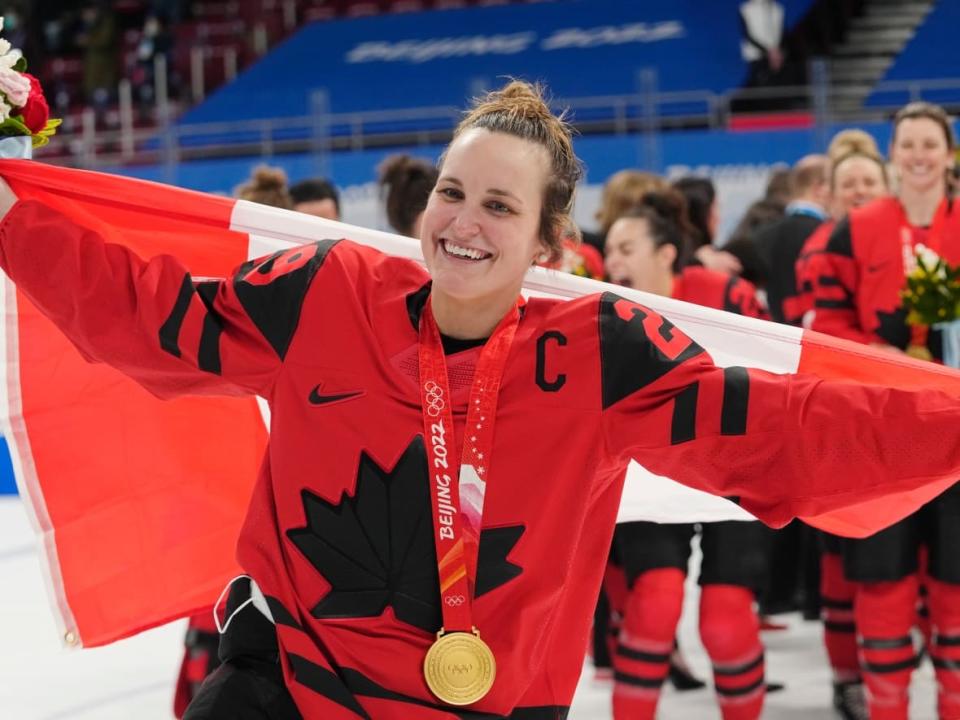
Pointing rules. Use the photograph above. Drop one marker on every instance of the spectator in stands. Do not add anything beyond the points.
(406, 183)
(780, 243)
(761, 24)
(317, 196)
(155, 41)
(98, 39)
(14, 28)
(55, 18)
(704, 217)
(267, 186)
(171, 11)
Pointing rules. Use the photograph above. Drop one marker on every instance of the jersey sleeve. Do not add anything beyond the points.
(833, 278)
(783, 446)
(740, 297)
(172, 333)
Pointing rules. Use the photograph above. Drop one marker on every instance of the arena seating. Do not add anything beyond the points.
(928, 56)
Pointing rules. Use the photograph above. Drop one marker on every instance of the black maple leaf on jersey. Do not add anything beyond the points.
(376, 548)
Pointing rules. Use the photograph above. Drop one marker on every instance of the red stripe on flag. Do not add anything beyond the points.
(835, 358)
(126, 479)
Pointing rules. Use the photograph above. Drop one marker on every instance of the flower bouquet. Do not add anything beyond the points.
(932, 299)
(23, 108)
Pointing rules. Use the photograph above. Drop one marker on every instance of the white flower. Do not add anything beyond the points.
(929, 257)
(15, 86)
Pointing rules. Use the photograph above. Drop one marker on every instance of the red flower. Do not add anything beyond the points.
(36, 112)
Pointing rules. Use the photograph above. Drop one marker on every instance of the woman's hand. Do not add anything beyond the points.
(719, 260)
(7, 198)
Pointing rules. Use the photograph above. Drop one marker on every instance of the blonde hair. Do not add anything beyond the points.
(267, 186)
(520, 109)
(623, 191)
(854, 143)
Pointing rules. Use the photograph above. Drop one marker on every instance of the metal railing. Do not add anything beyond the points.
(646, 111)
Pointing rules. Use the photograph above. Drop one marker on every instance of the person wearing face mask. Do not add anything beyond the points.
(857, 296)
(445, 462)
(648, 249)
(857, 177)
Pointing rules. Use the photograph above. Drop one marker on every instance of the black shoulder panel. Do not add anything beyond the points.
(637, 347)
(841, 242)
(272, 290)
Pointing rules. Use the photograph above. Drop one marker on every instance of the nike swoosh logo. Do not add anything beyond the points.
(316, 398)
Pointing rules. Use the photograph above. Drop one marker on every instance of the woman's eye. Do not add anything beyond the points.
(498, 207)
(450, 193)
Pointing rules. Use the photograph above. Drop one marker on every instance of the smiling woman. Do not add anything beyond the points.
(858, 296)
(503, 198)
(445, 461)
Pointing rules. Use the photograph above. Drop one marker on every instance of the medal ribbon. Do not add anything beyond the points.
(458, 506)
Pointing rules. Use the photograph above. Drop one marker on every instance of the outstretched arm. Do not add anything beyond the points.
(784, 445)
(151, 319)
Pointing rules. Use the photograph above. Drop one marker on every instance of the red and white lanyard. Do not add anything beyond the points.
(457, 488)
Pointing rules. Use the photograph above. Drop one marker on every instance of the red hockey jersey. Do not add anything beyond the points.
(861, 273)
(338, 531)
(812, 269)
(698, 285)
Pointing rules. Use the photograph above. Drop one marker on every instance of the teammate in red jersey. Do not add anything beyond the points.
(857, 296)
(647, 249)
(857, 177)
(368, 530)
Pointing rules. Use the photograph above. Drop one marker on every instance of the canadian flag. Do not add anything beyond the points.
(137, 502)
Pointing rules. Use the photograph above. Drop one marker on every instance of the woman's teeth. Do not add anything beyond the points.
(463, 252)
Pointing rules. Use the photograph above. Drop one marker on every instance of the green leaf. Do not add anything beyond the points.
(13, 125)
(21, 65)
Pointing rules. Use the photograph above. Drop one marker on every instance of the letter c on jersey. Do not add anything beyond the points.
(558, 381)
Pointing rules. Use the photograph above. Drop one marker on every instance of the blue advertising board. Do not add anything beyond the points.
(578, 47)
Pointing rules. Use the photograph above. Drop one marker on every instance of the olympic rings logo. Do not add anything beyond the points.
(435, 402)
(455, 600)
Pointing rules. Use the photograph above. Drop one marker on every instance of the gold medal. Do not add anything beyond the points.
(459, 667)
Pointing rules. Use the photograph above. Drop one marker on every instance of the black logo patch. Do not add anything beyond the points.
(376, 548)
(316, 398)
